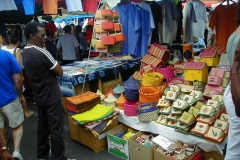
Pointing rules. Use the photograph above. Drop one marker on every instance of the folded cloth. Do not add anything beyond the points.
(99, 128)
(94, 114)
(100, 118)
(90, 127)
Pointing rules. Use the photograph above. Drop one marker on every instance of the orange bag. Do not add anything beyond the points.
(98, 15)
(115, 14)
(98, 29)
(100, 45)
(108, 25)
(119, 37)
(108, 40)
(107, 12)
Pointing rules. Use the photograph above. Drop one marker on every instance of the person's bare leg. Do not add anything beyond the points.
(27, 113)
(2, 136)
(17, 137)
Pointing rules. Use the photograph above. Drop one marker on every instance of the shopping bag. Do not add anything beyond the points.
(115, 48)
(98, 29)
(100, 45)
(108, 40)
(107, 12)
(107, 25)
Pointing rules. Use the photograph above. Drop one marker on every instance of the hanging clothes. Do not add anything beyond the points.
(90, 5)
(224, 20)
(29, 7)
(74, 5)
(180, 24)
(157, 17)
(147, 7)
(131, 25)
(198, 28)
(145, 32)
(188, 17)
(7, 5)
(50, 7)
(171, 14)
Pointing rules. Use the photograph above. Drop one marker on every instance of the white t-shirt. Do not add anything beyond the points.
(74, 5)
(68, 42)
(11, 51)
(198, 28)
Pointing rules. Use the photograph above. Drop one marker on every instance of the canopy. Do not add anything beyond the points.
(28, 10)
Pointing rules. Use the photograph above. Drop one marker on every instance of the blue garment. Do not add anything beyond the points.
(8, 67)
(131, 24)
(67, 92)
(28, 5)
(146, 30)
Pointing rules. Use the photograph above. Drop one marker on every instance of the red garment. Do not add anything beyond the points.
(224, 20)
(89, 34)
(90, 5)
(51, 27)
(50, 6)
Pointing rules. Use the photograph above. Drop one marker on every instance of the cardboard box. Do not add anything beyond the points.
(110, 84)
(87, 138)
(117, 146)
(214, 155)
(138, 151)
(161, 156)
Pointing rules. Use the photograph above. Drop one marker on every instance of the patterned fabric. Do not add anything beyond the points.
(78, 79)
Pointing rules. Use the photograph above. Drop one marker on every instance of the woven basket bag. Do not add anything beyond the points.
(148, 94)
(147, 112)
(152, 79)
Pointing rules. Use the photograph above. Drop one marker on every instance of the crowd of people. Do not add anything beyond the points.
(42, 53)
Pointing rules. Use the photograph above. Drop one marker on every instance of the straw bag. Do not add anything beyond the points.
(108, 25)
(152, 79)
(131, 95)
(166, 72)
(147, 112)
(130, 108)
(115, 48)
(83, 102)
(100, 45)
(148, 94)
(98, 29)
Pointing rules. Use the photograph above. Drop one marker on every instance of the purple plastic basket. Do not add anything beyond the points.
(131, 95)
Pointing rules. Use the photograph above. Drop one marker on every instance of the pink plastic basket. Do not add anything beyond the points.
(167, 73)
(130, 108)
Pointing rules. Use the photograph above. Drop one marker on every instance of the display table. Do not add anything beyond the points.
(169, 133)
(76, 82)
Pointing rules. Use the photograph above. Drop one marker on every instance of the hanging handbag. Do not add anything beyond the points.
(235, 81)
(107, 25)
(108, 40)
(115, 48)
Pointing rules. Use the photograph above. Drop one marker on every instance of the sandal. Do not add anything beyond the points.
(30, 113)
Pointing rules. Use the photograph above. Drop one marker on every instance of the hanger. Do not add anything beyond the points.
(123, 2)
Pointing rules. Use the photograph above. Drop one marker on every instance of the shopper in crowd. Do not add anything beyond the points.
(81, 40)
(5, 155)
(50, 46)
(13, 48)
(42, 69)
(11, 99)
(233, 144)
(70, 46)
